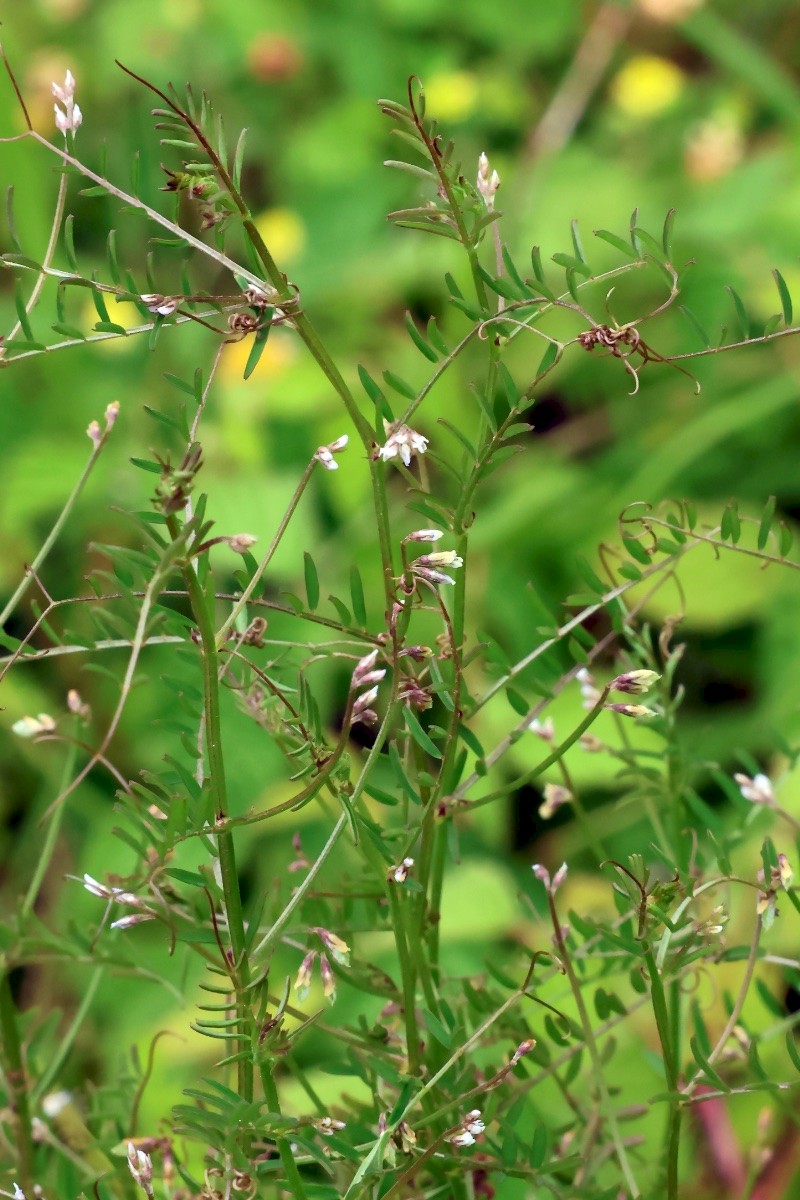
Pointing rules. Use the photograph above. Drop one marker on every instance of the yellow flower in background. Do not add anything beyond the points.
(120, 312)
(284, 233)
(647, 85)
(277, 355)
(451, 95)
(668, 10)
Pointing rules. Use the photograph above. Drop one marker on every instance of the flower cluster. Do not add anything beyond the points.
(324, 454)
(70, 116)
(161, 306)
(400, 873)
(366, 675)
(118, 895)
(401, 442)
(426, 567)
(471, 1128)
(95, 434)
(141, 1168)
(339, 952)
(543, 875)
(488, 181)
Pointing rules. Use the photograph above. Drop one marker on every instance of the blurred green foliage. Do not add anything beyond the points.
(701, 114)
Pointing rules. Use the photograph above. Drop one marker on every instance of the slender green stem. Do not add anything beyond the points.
(277, 537)
(52, 537)
(400, 924)
(51, 837)
(58, 217)
(240, 974)
(50, 1074)
(667, 1039)
(594, 1054)
(293, 1178)
(17, 1083)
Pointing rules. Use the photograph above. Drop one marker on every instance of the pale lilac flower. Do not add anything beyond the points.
(522, 1049)
(133, 919)
(94, 435)
(541, 872)
(365, 671)
(302, 983)
(554, 797)
(401, 442)
(365, 700)
(117, 894)
(141, 1168)
(560, 876)
(425, 535)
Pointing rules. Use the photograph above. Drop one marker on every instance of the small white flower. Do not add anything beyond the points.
(133, 919)
(18, 1192)
(473, 1123)
(401, 442)
(28, 727)
(757, 790)
(141, 1167)
(488, 181)
(162, 306)
(399, 874)
(324, 454)
(70, 117)
(462, 1138)
(327, 1126)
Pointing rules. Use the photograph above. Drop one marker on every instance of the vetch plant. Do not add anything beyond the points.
(573, 1062)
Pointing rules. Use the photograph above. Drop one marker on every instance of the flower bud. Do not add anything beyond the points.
(634, 682)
